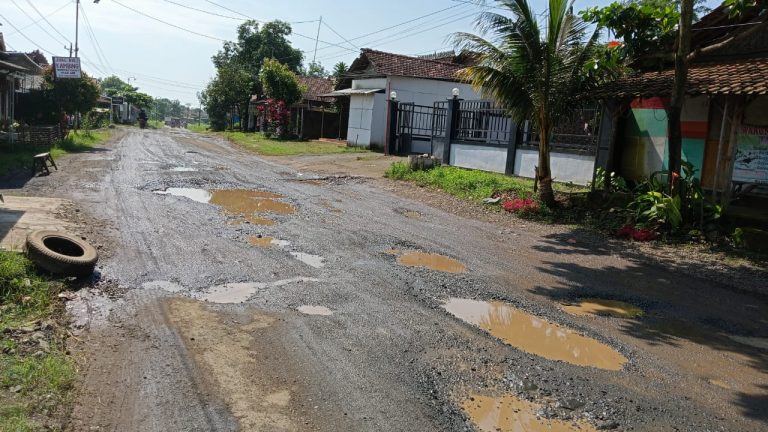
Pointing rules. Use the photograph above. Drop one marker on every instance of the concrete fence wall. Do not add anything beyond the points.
(566, 167)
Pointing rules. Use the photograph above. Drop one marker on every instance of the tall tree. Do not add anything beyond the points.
(535, 73)
(38, 58)
(227, 92)
(316, 70)
(280, 82)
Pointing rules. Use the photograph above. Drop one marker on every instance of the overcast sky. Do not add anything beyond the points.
(174, 62)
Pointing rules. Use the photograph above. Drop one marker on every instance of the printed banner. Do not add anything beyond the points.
(66, 67)
(751, 164)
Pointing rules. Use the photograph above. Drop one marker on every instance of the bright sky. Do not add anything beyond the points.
(174, 62)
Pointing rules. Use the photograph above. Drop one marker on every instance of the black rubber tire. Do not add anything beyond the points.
(72, 257)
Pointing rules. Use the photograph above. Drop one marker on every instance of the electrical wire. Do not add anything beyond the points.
(25, 36)
(169, 24)
(46, 20)
(40, 19)
(97, 46)
(342, 37)
(58, 41)
(400, 24)
(204, 11)
(399, 36)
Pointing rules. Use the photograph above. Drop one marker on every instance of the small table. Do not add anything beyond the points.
(40, 163)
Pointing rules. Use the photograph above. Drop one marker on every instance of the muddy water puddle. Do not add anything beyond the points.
(510, 414)
(265, 242)
(426, 260)
(247, 204)
(315, 310)
(535, 335)
(601, 307)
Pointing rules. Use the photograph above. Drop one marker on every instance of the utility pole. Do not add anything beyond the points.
(317, 38)
(77, 25)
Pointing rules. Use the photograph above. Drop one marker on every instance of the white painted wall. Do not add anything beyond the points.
(426, 91)
(479, 157)
(566, 167)
(369, 83)
(360, 115)
(378, 127)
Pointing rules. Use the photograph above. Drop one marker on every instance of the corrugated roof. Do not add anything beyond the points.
(736, 77)
(381, 63)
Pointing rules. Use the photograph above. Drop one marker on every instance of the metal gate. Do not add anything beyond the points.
(415, 125)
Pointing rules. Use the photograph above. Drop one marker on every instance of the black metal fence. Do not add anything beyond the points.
(480, 122)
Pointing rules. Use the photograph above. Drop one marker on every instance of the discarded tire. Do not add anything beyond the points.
(61, 253)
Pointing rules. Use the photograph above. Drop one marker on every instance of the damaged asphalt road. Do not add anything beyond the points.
(294, 302)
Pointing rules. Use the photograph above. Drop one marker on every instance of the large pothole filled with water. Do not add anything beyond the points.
(510, 414)
(535, 335)
(243, 204)
(427, 260)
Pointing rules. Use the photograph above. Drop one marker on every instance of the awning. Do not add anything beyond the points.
(349, 91)
(11, 66)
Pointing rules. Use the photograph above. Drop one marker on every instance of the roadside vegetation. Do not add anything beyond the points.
(75, 142)
(36, 374)
(262, 145)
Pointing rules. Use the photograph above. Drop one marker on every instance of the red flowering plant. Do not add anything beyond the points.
(276, 115)
(629, 231)
(521, 205)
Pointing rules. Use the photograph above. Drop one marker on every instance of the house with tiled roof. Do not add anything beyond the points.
(376, 76)
(725, 113)
(18, 73)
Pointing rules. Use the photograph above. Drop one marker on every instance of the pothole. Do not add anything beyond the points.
(315, 261)
(242, 291)
(197, 195)
(243, 203)
(315, 310)
(426, 260)
(510, 414)
(535, 335)
(601, 307)
(183, 169)
(167, 286)
(267, 241)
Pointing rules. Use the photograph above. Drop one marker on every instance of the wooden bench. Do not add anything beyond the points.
(40, 163)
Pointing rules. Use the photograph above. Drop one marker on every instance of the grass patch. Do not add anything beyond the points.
(75, 142)
(259, 144)
(460, 182)
(36, 375)
(199, 128)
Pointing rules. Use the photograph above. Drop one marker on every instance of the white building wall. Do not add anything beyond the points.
(566, 167)
(360, 115)
(479, 157)
(379, 128)
(427, 92)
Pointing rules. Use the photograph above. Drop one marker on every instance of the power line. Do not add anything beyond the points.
(342, 37)
(25, 36)
(292, 32)
(388, 39)
(40, 19)
(402, 23)
(97, 46)
(46, 20)
(169, 24)
(203, 11)
(58, 41)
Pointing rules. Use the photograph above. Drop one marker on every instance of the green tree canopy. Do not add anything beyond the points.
(72, 95)
(280, 82)
(256, 43)
(316, 70)
(230, 89)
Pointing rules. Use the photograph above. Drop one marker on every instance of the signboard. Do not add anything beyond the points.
(117, 100)
(66, 67)
(751, 163)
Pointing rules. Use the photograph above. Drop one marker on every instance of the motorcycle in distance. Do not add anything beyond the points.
(142, 119)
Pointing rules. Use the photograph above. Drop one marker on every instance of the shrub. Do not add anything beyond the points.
(521, 205)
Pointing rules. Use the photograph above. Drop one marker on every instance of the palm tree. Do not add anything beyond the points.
(535, 73)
